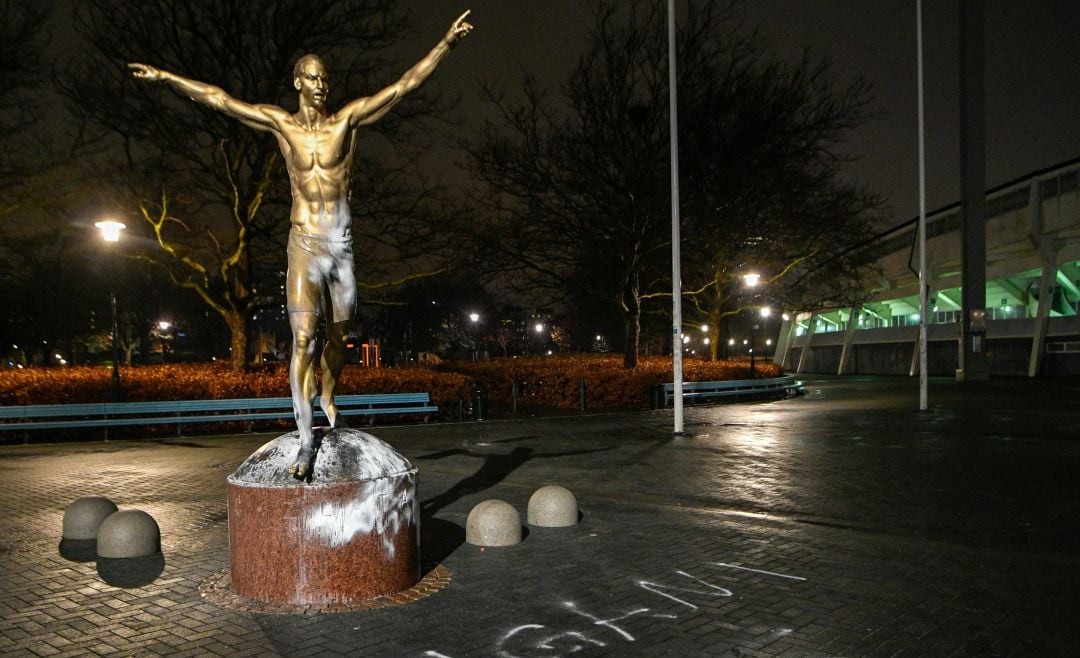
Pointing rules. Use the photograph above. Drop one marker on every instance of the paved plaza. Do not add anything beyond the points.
(843, 522)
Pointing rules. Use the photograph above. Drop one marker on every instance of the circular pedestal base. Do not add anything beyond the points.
(349, 534)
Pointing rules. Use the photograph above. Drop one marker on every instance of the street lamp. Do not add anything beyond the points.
(765, 311)
(110, 232)
(751, 279)
(474, 317)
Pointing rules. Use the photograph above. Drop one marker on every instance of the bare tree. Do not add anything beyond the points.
(210, 193)
(579, 188)
(23, 40)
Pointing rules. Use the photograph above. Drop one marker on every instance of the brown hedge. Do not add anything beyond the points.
(552, 382)
(211, 382)
(555, 381)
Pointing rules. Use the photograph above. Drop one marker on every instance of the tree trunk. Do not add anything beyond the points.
(631, 306)
(238, 339)
(632, 322)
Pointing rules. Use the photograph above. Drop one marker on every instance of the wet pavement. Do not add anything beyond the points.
(844, 522)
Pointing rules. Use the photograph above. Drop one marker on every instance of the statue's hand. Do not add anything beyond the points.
(145, 72)
(459, 29)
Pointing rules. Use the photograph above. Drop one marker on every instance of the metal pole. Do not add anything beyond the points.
(753, 374)
(676, 263)
(115, 351)
(923, 310)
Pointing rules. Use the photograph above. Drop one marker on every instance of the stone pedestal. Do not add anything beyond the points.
(349, 533)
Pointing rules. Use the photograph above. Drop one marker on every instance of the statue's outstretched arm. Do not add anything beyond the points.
(257, 116)
(372, 108)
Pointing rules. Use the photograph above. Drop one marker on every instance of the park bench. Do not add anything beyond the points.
(694, 392)
(181, 412)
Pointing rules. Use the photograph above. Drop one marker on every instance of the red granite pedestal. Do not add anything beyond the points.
(349, 534)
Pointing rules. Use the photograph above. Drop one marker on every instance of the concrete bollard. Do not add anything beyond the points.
(83, 517)
(128, 533)
(493, 523)
(553, 507)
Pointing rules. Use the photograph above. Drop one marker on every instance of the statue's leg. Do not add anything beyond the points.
(333, 361)
(342, 288)
(302, 383)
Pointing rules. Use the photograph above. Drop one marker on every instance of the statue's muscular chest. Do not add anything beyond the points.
(324, 146)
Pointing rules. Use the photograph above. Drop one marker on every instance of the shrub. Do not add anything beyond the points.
(555, 381)
(211, 382)
(544, 381)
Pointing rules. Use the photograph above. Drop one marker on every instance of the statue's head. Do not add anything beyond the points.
(311, 79)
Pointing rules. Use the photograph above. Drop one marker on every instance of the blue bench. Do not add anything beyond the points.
(694, 392)
(179, 412)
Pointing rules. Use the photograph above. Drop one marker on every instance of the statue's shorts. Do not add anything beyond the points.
(318, 268)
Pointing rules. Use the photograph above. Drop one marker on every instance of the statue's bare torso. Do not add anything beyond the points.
(319, 160)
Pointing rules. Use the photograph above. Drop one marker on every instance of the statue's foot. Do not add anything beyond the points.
(302, 466)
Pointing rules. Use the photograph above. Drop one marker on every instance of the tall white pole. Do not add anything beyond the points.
(676, 258)
(923, 310)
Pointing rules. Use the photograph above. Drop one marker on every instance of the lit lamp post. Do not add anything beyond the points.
(765, 311)
(110, 232)
(751, 279)
(474, 318)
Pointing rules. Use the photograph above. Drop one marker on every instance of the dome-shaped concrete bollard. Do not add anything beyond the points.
(553, 507)
(493, 523)
(83, 517)
(128, 533)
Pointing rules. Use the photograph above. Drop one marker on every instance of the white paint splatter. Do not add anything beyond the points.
(381, 507)
(607, 622)
(548, 643)
(656, 588)
(767, 573)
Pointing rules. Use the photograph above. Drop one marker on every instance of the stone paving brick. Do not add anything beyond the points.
(886, 568)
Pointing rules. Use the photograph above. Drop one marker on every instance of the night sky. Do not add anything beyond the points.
(1032, 65)
(1032, 91)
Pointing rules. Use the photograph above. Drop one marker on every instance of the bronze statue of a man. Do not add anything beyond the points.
(318, 149)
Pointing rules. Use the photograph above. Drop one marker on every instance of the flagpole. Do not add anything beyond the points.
(676, 263)
(923, 310)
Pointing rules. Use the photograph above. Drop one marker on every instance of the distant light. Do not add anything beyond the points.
(164, 325)
(705, 328)
(745, 342)
(765, 311)
(59, 356)
(707, 341)
(549, 352)
(539, 327)
(786, 317)
(599, 337)
(110, 230)
(475, 317)
(731, 341)
(751, 279)
(63, 362)
(686, 340)
(768, 341)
